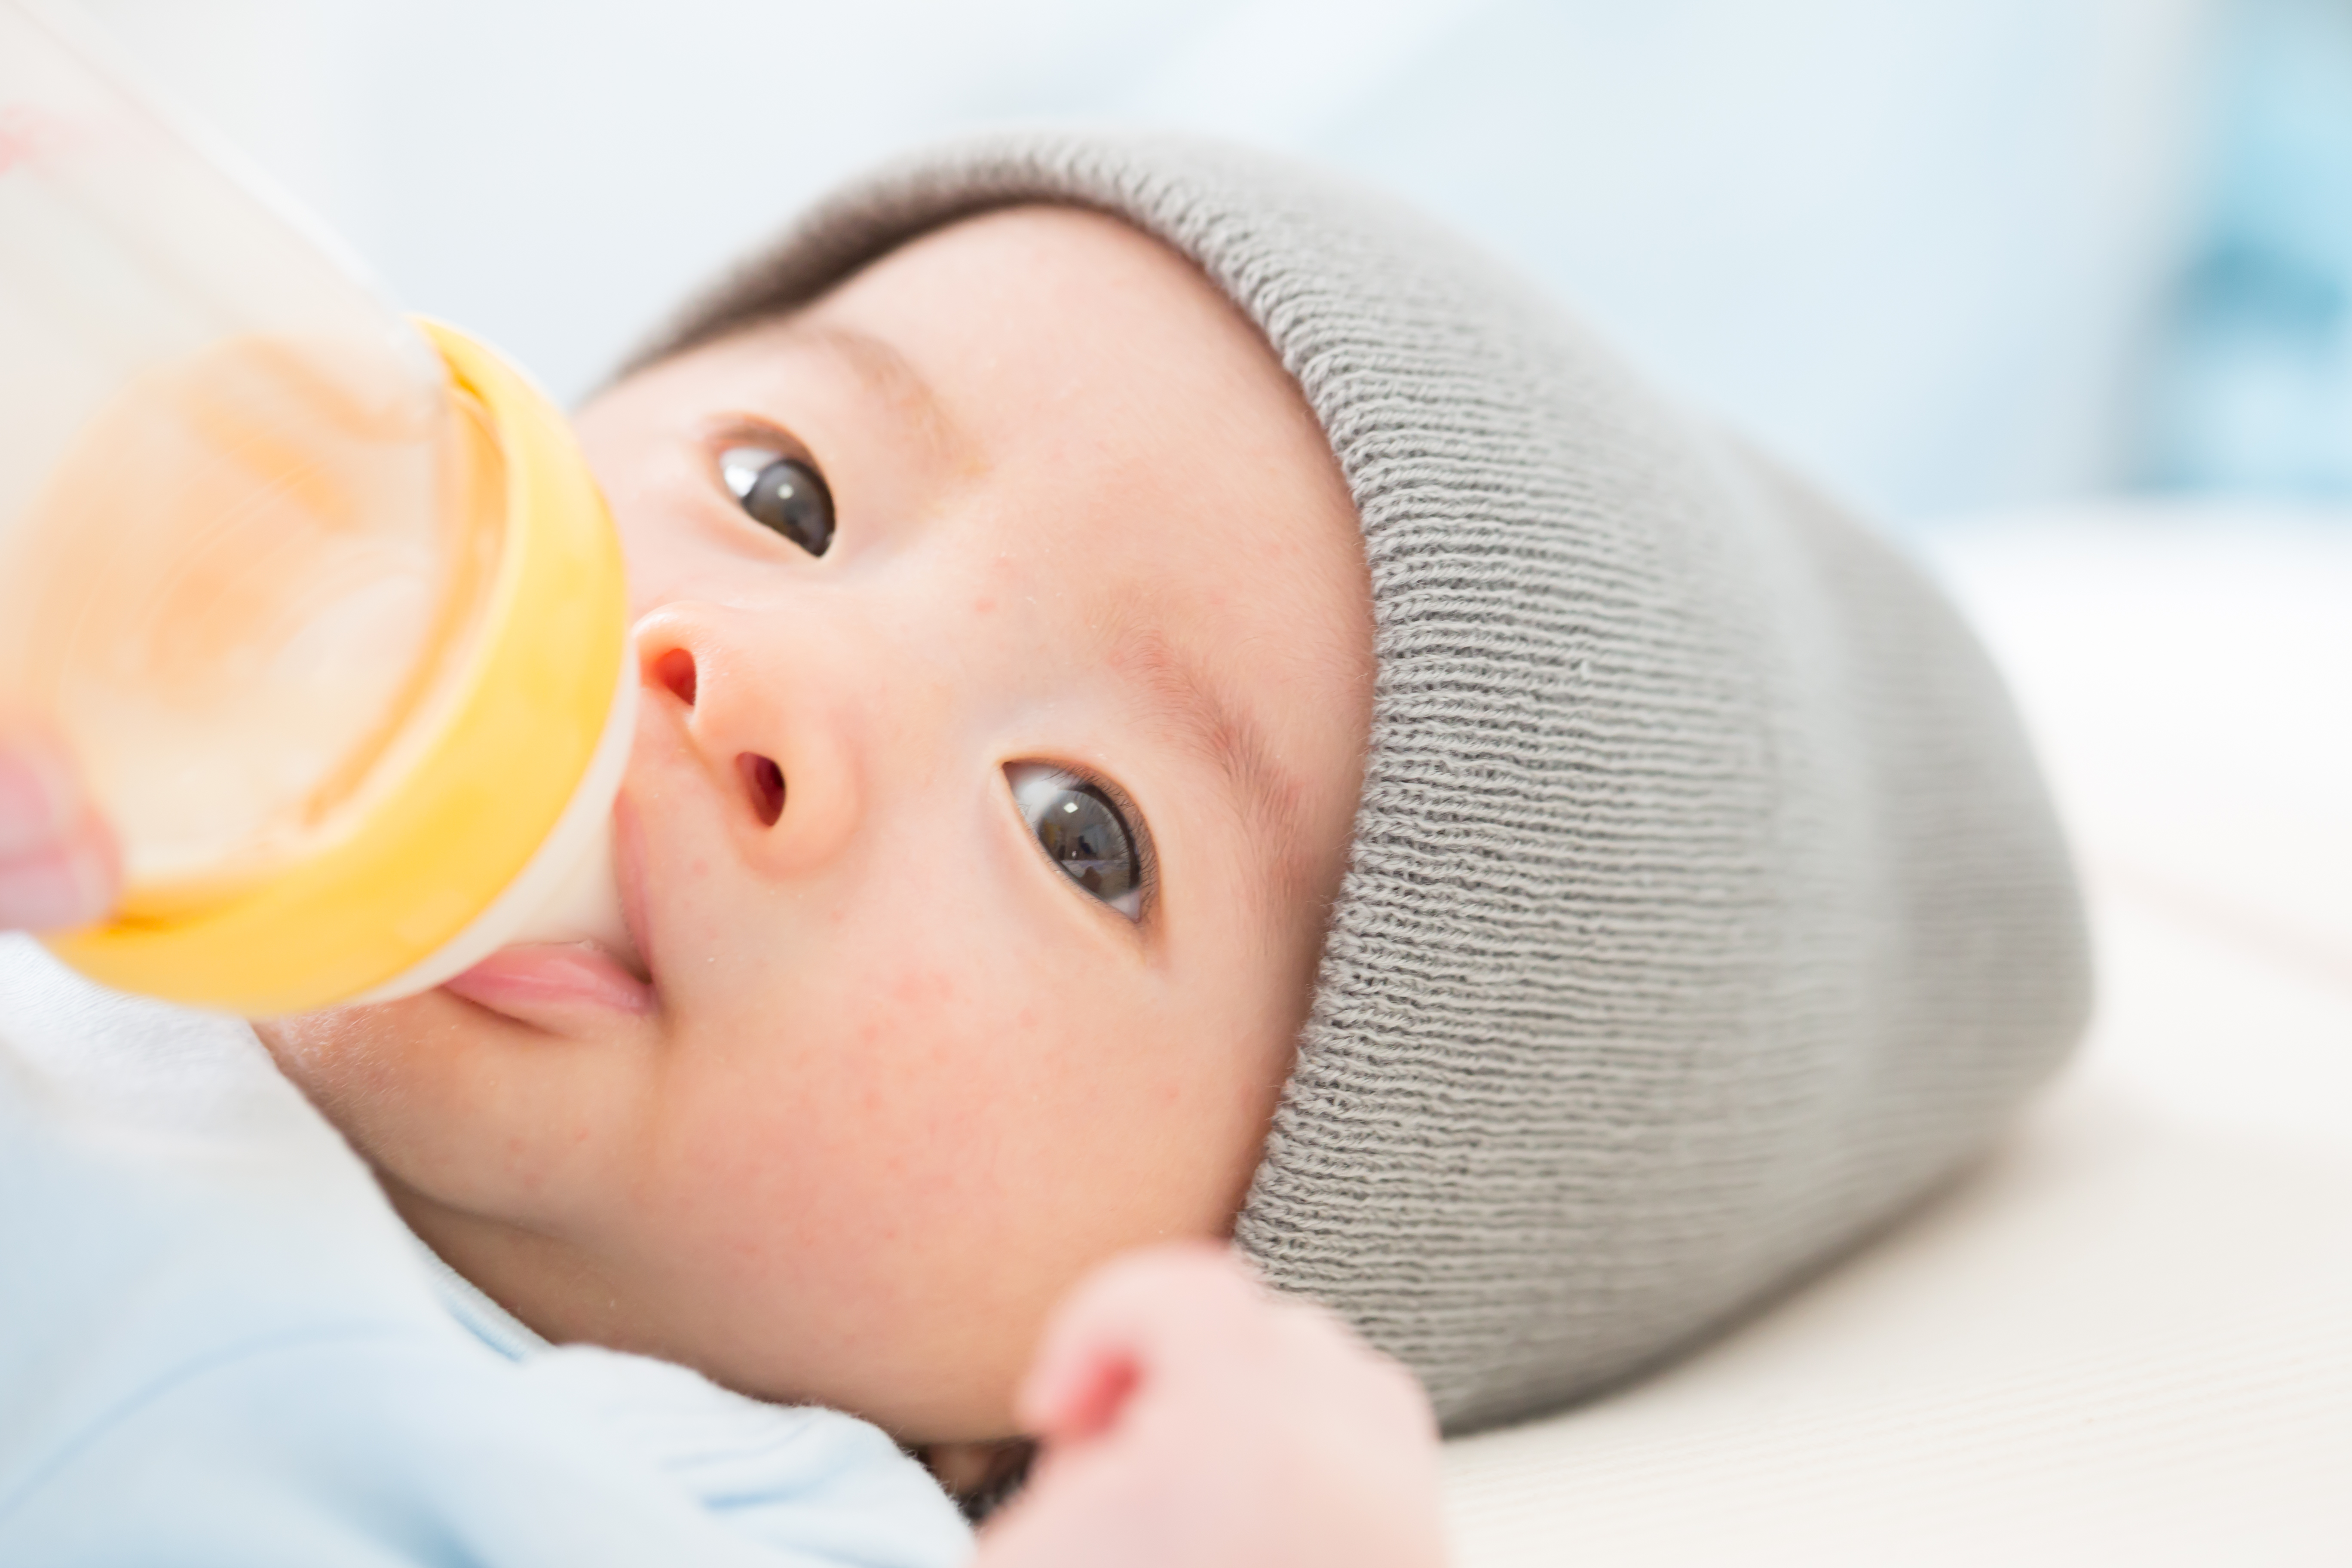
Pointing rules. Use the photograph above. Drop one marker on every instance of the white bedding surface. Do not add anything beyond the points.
(2127, 1337)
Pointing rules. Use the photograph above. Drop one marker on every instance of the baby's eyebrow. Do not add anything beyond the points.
(891, 378)
(1181, 695)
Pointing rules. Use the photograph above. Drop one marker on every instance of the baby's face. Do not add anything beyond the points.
(977, 864)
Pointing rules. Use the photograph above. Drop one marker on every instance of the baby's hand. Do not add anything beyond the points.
(58, 863)
(1190, 1420)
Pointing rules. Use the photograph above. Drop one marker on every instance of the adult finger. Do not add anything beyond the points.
(38, 804)
(57, 863)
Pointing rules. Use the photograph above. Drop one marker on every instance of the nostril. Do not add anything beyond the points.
(675, 669)
(766, 782)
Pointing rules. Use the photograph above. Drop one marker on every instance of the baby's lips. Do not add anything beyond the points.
(548, 983)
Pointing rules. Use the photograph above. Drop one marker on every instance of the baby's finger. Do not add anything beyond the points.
(1182, 1303)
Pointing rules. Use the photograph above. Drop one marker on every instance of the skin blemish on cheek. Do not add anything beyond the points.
(915, 985)
(983, 606)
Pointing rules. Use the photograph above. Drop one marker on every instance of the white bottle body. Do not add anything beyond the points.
(215, 658)
(265, 550)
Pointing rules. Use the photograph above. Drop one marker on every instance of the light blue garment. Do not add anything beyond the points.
(218, 1345)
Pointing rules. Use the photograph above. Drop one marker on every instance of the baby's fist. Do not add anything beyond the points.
(1190, 1418)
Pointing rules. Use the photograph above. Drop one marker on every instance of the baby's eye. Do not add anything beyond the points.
(1083, 831)
(781, 493)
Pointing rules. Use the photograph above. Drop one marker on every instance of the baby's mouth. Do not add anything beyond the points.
(551, 984)
(589, 966)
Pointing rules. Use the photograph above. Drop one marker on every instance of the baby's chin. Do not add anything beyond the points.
(483, 1110)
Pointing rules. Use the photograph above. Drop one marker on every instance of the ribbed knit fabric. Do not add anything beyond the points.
(1706, 908)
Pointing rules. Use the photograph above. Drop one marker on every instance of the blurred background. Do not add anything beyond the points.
(1950, 255)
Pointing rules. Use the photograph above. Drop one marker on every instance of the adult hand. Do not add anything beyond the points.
(59, 867)
(1191, 1419)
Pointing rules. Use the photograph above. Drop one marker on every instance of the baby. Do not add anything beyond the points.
(1182, 705)
(1009, 667)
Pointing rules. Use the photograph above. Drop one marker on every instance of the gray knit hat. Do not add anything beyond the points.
(1706, 908)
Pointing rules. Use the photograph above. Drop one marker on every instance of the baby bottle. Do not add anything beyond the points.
(323, 602)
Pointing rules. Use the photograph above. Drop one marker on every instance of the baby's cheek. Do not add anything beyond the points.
(920, 1130)
(924, 1104)
(928, 1077)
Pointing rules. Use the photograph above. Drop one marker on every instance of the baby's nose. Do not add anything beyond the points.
(778, 705)
(762, 778)
(765, 781)
(676, 670)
